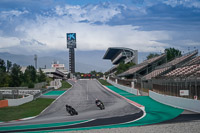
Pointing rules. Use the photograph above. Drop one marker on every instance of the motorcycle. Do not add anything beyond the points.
(71, 110)
(100, 105)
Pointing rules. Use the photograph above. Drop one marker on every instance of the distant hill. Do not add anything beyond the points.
(85, 61)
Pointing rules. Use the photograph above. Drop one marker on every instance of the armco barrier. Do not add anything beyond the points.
(128, 89)
(183, 103)
(3, 103)
(16, 102)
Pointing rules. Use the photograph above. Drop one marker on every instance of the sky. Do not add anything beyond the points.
(149, 26)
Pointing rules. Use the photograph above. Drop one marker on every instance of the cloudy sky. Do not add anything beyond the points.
(40, 26)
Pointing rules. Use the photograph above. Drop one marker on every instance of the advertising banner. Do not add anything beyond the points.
(184, 92)
(71, 40)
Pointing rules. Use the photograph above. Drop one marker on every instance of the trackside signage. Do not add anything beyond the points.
(21, 92)
(184, 92)
(71, 40)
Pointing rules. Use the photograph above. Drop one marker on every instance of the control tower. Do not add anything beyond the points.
(71, 44)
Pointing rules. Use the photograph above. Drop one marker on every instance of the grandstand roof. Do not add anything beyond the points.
(119, 54)
(112, 51)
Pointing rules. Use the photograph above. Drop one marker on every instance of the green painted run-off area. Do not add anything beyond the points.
(54, 93)
(155, 111)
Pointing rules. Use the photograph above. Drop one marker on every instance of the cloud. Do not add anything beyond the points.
(12, 13)
(51, 31)
(91, 13)
(189, 43)
(185, 3)
(31, 42)
(8, 42)
(96, 28)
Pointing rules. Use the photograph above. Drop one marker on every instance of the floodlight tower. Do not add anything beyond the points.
(35, 59)
(71, 44)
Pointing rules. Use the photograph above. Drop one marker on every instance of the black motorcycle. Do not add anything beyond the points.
(100, 104)
(71, 110)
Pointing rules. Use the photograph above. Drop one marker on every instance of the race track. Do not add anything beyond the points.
(82, 97)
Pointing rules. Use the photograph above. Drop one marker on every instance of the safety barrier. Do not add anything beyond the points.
(184, 103)
(128, 89)
(16, 102)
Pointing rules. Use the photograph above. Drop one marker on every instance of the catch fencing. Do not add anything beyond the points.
(179, 87)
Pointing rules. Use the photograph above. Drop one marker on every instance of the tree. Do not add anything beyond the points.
(152, 55)
(16, 76)
(9, 65)
(3, 75)
(41, 76)
(30, 75)
(172, 53)
(4, 79)
(123, 67)
(2, 65)
(93, 72)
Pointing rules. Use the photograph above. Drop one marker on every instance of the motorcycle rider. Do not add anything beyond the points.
(99, 102)
(71, 110)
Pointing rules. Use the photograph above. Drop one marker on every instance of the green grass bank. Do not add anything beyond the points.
(65, 85)
(30, 109)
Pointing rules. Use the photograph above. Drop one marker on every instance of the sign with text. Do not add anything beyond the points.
(58, 65)
(184, 92)
(71, 40)
(20, 92)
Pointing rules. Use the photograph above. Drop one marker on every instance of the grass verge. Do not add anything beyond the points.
(30, 109)
(104, 82)
(65, 85)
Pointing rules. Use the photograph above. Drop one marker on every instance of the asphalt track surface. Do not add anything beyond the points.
(82, 97)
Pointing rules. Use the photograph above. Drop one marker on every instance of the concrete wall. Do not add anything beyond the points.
(40, 85)
(128, 89)
(16, 102)
(56, 83)
(184, 103)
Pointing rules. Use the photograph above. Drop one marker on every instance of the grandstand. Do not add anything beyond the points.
(160, 70)
(195, 60)
(181, 73)
(185, 71)
(144, 68)
(54, 73)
